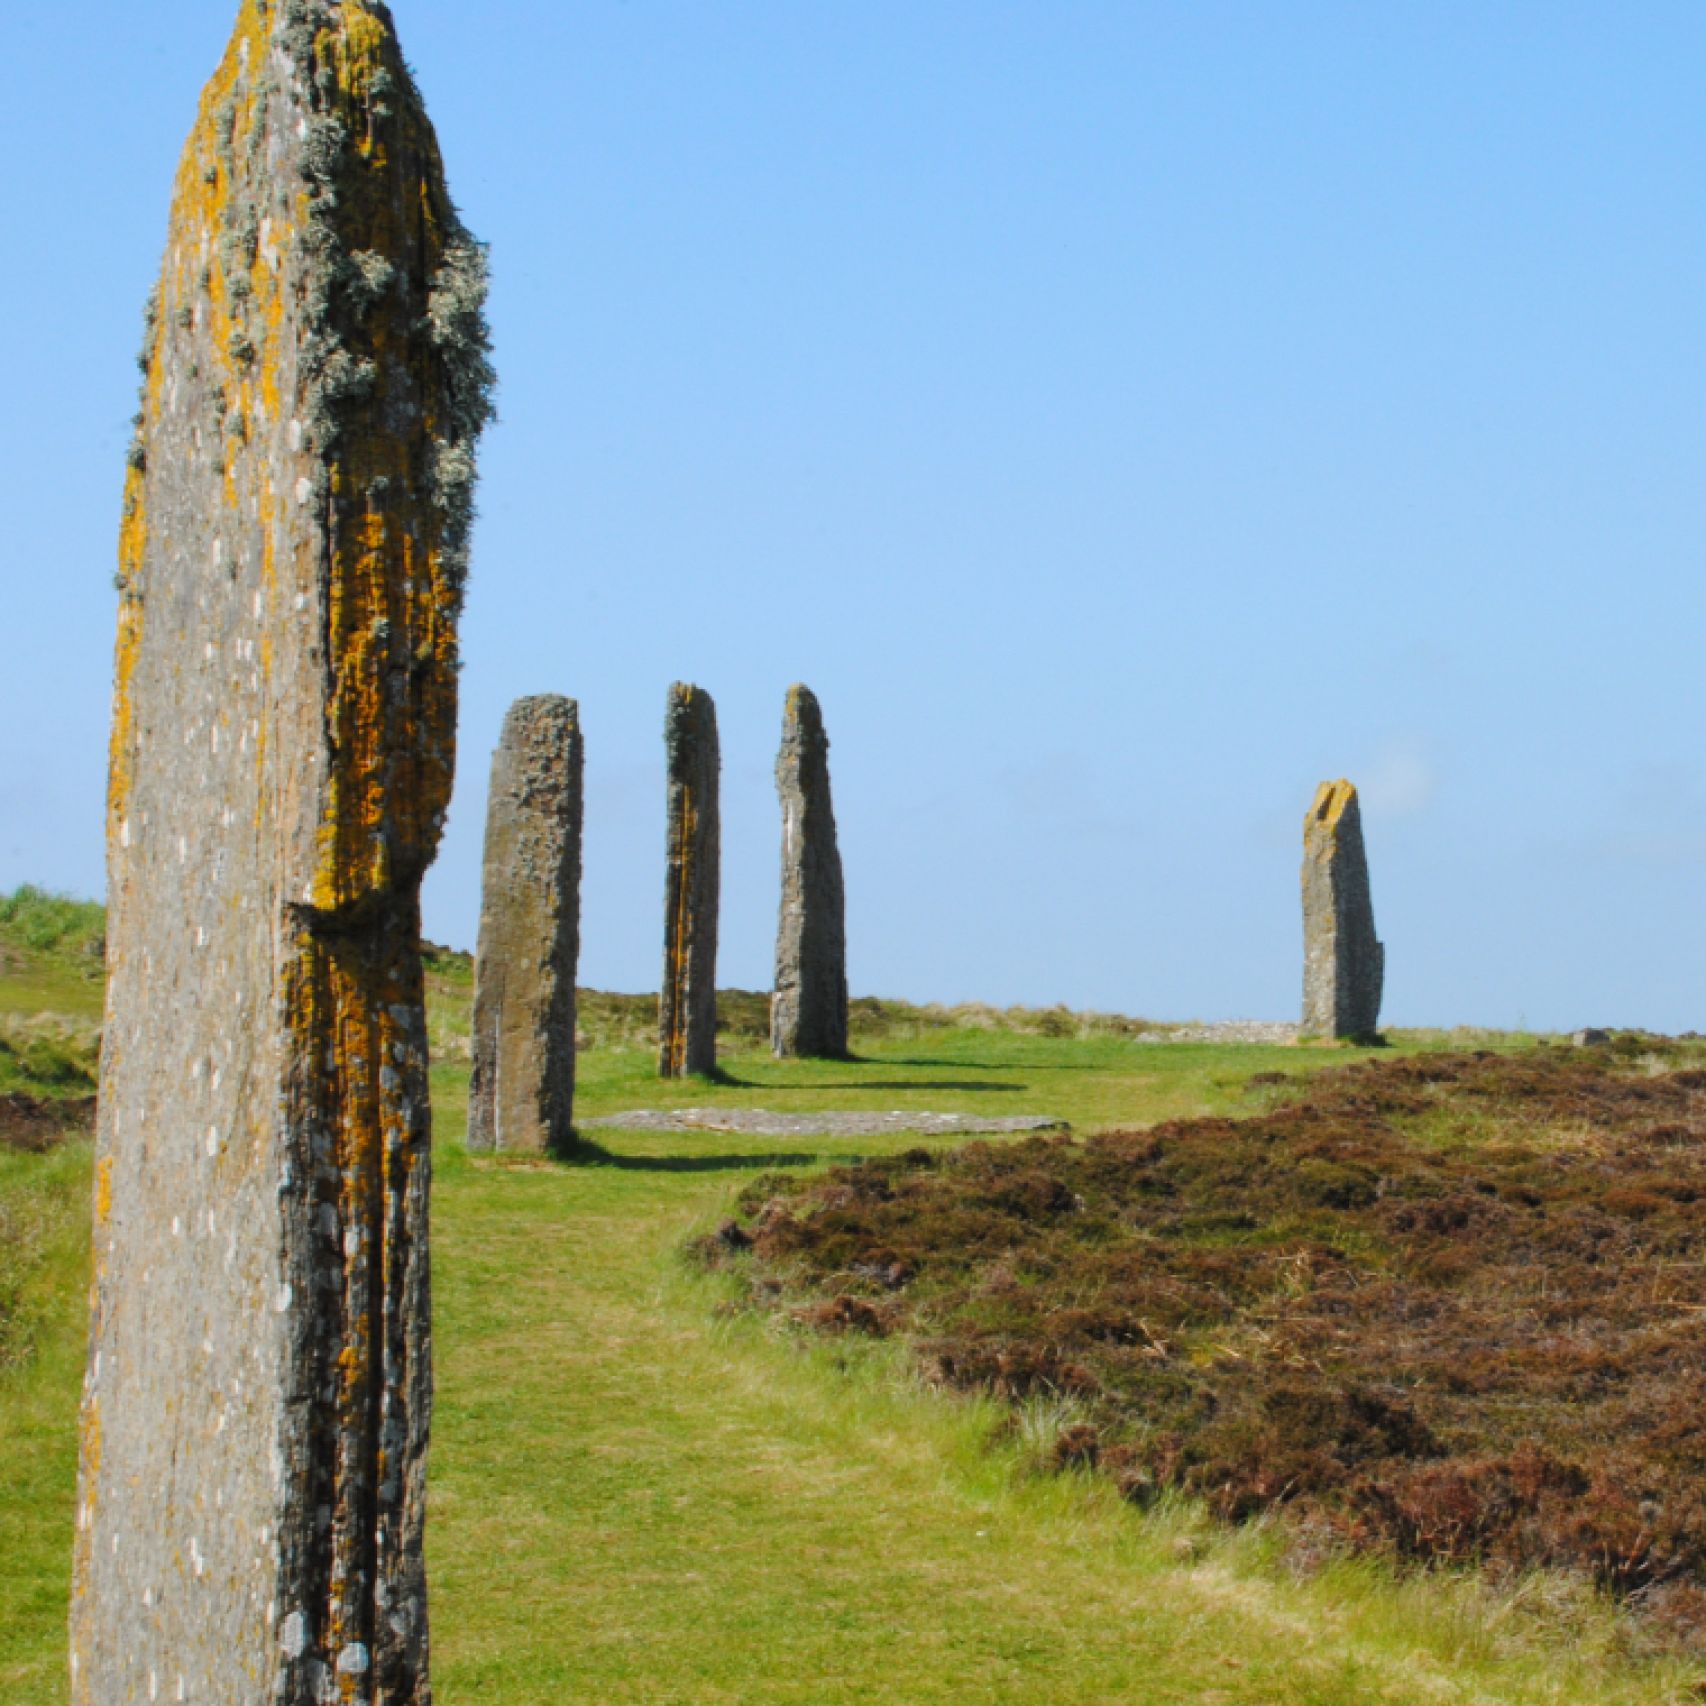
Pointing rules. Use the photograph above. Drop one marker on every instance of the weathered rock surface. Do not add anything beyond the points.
(522, 1093)
(808, 1011)
(687, 1006)
(1344, 965)
(255, 1413)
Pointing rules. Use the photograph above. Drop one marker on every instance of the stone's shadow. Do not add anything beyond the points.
(968, 1086)
(719, 1079)
(975, 1066)
(586, 1153)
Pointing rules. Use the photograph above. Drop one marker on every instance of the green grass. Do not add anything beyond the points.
(44, 1241)
(641, 1496)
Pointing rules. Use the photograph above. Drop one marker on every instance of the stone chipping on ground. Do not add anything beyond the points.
(1230, 1031)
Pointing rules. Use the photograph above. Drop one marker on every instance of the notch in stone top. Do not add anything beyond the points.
(521, 1094)
(808, 1010)
(687, 1004)
(1344, 963)
(291, 563)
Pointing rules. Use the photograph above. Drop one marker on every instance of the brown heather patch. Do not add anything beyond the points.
(1449, 1308)
(34, 1125)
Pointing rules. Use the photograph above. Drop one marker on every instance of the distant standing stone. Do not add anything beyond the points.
(252, 1485)
(1344, 966)
(687, 1007)
(808, 1012)
(522, 1093)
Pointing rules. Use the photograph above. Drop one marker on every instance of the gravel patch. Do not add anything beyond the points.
(1232, 1031)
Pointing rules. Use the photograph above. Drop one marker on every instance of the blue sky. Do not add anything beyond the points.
(1123, 415)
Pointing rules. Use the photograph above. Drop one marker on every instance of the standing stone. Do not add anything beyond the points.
(687, 1008)
(522, 1095)
(808, 1011)
(1344, 966)
(255, 1412)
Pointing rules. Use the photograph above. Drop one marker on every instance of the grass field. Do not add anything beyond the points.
(641, 1494)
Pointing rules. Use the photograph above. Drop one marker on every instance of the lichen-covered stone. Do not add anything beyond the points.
(687, 1007)
(522, 1094)
(1344, 966)
(254, 1422)
(808, 1011)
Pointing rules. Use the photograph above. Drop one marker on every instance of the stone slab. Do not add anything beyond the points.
(255, 1413)
(808, 1011)
(687, 1004)
(521, 1095)
(1344, 964)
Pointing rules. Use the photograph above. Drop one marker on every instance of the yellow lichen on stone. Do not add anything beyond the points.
(686, 829)
(195, 279)
(133, 543)
(1331, 799)
(388, 580)
(355, 49)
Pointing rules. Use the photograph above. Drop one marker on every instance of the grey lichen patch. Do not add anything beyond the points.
(456, 317)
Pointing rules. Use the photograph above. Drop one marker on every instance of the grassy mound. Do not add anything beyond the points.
(1450, 1308)
(35, 918)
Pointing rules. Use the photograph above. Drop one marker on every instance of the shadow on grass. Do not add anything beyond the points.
(589, 1154)
(969, 1086)
(721, 1080)
(977, 1066)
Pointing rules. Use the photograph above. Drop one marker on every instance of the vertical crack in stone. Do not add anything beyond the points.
(297, 507)
(808, 1010)
(1344, 965)
(687, 1006)
(522, 1092)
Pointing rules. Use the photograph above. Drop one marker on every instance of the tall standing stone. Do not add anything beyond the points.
(687, 1008)
(522, 1095)
(1344, 966)
(808, 1011)
(255, 1412)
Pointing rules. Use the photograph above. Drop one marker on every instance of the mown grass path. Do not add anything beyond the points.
(637, 1497)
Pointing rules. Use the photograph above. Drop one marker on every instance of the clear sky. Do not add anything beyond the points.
(1124, 415)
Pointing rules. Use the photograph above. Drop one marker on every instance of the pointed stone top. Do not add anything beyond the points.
(803, 710)
(315, 375)
(691, 718)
